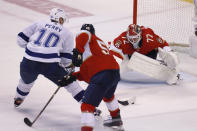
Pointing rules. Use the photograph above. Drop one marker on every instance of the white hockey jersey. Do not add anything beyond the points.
(47, 42)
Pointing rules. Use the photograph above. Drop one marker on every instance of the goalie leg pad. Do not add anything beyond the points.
(152, 68)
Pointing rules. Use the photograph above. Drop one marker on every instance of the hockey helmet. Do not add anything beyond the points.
(57, 13)
(88, 27)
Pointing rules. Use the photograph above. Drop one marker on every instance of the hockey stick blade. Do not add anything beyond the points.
(130, 101)
(124, 103)
(28, 122)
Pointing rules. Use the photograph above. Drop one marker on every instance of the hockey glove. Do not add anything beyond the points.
(77, 58)
(70, 69)
(68, 79)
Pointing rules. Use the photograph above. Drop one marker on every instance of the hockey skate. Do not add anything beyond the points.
(115, 123)
(18, 101)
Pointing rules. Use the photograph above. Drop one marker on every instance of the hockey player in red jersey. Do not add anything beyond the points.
(101, 71)
(144, 41)
(140, 39)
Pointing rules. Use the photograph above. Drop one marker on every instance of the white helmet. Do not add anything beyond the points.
(57, 13)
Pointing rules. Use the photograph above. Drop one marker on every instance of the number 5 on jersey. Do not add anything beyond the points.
(103, 47)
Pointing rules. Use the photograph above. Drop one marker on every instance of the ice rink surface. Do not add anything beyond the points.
(159, 107)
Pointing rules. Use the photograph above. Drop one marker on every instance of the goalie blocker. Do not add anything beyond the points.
(154, 68)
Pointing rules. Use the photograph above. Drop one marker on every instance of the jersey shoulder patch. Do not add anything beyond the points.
(117, 43)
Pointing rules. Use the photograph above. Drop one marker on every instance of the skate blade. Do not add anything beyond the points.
(116, 128)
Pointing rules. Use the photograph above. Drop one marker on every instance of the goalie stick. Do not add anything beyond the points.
(130, 101)
(28, 122)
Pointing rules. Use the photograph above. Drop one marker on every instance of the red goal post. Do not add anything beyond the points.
(135, 11)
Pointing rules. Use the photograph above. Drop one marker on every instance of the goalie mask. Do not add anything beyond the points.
(57, 13)
(133, 35)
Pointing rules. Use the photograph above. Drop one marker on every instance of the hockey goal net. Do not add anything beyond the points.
(171, 19)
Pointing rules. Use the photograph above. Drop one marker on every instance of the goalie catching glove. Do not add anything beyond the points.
(77, 58)
(68, 79)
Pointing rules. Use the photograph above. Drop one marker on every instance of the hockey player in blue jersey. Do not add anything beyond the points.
(48, 47)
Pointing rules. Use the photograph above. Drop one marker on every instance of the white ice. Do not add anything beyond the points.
(159, 107)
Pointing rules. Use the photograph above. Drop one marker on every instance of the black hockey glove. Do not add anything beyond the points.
(77, 58)
(68, 79)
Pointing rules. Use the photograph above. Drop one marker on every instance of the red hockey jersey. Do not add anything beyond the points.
(96, 56)
(150, 41)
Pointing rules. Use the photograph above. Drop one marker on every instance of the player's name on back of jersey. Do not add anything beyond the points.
(51, 26)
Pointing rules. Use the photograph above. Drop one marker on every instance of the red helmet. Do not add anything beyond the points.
(134, 34)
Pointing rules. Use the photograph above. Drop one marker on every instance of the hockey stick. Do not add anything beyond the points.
(178, 44)
(28, 122)
(130, 101)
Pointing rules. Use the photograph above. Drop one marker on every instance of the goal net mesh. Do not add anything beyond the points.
(171, 19)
